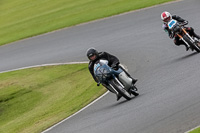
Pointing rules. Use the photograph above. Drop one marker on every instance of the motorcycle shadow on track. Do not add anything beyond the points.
(123, 101)
(184, 57)
(179, 59)
(113, 104)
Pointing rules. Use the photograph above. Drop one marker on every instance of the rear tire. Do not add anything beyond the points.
(133, 91)
(121, 90)
(193, 45)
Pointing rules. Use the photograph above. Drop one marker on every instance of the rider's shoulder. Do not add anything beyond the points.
(178, 18)
(102, 53)
(175, 17)
(164, 26)
(90, 63)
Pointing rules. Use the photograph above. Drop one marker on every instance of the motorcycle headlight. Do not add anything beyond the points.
(106, 72)
(102, 73)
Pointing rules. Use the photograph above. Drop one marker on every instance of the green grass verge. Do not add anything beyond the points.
(33, 99)
(24, 18)
(197, 130)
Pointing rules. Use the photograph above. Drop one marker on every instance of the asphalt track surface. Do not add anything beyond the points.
(168, 75)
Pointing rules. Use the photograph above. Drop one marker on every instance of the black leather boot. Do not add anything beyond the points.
(134, 80)
(197, 36)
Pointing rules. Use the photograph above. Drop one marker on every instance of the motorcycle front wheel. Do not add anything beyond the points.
(122, 91)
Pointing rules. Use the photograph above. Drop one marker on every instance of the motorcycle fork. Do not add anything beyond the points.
(118, 83)
(182, 37)
(114, 89)
(188, 35)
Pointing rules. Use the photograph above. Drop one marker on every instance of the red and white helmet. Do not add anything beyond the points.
(166, 16)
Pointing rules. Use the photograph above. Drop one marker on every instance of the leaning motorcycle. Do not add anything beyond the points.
(115, 81)
(179, 30)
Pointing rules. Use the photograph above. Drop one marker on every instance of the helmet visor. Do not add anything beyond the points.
(167, 19)
(92, 57)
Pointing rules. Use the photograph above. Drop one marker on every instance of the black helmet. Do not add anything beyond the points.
(91, 52)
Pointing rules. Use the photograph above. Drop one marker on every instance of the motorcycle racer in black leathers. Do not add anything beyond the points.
(166, 17)
(93, 55)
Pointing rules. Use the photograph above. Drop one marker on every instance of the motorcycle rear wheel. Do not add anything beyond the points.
(193, 45)
(134, 91)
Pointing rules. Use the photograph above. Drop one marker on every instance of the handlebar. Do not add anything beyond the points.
(183, 23)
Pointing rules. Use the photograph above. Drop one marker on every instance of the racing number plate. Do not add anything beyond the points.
(172, 23)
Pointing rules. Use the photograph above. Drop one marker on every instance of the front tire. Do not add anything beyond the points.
(120, 90)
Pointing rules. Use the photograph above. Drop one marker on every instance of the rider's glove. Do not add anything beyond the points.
(115, 67)
(185, 23)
